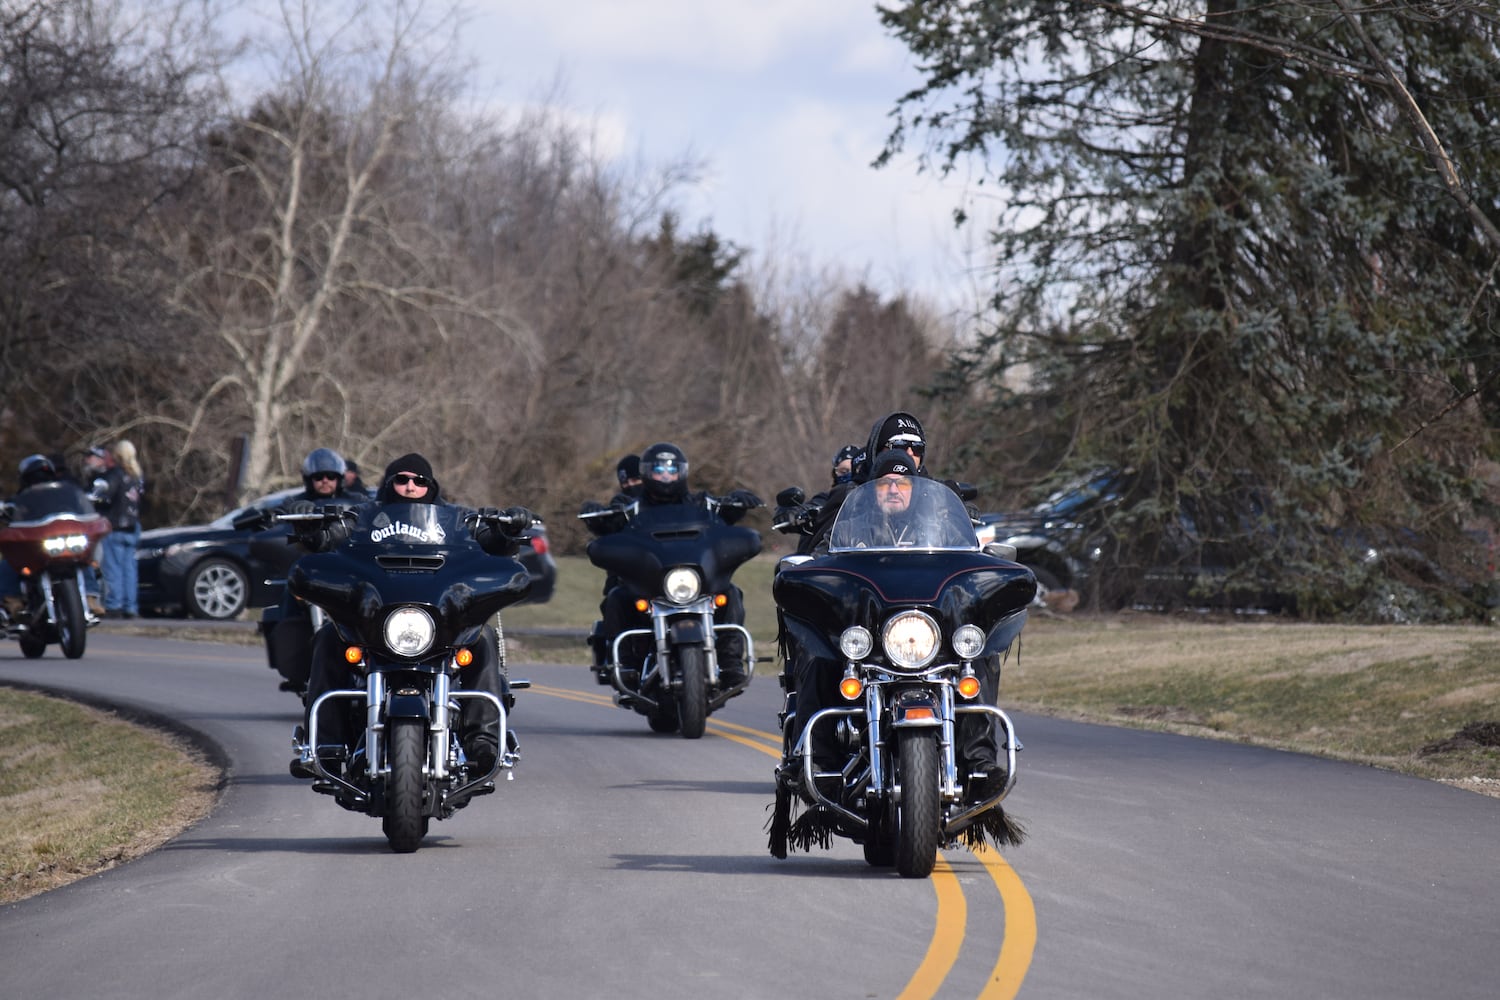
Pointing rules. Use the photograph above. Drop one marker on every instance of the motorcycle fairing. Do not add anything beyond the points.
(409, 554)
(661, 537)
(50, 510)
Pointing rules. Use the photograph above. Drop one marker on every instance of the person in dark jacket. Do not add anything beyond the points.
(409, 479)
(664, 480)
(117, 494)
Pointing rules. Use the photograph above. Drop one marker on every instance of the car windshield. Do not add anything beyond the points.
(902, 512)
(264, 503)
(1100, 486)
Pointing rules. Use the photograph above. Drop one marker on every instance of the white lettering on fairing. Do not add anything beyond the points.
(433, 535)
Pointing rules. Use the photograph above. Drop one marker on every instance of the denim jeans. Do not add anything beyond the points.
(117, 562)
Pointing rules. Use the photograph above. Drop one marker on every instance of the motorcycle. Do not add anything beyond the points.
(676, 562)
(409, 594)
(49, 534)
(909, 628)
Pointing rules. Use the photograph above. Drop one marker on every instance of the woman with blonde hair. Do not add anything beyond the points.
(119, 499)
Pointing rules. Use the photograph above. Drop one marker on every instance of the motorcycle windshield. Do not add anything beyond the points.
(668, 535)
(48, 500)
(902, 512)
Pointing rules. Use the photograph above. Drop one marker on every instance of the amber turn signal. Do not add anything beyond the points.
(850, 687)
(968, 687)
(463, 657)
(353, 654)
(919, 712)
(643, 605)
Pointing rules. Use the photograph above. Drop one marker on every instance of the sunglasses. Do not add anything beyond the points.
(407, 479)
(332, 477)
(901, 485)
(912, 445)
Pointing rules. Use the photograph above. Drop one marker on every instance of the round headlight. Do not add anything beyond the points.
(682, 585)
(856, 642)
(968, 640)
(409, 632)
(911, 640)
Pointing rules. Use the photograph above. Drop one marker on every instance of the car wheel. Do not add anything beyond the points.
(217, 589)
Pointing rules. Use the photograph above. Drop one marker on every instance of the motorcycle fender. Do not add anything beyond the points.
(916, 708)
(686, 632)
(408, 706)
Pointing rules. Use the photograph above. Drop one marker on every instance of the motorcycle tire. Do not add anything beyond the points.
(692, 694)
(916, 813)
(72, 629)
(403, 822)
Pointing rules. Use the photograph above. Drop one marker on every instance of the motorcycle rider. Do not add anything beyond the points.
(323, 472)
(664, 480)
(35, 471)
(409, 479)
(628, 474)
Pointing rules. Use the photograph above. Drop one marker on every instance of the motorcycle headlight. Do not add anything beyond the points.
(856, 642)
(682, 585)
(911, 640)
(968, 641)
(409, 631)
(65, 544)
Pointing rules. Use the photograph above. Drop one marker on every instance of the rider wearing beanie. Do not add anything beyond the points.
(410, 465)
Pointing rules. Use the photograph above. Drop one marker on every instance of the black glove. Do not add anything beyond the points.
(591, 507)
(742, 498)
(514, 521)
(804, 516)
(299, 507)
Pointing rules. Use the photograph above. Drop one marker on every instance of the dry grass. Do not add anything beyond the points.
(83, 790)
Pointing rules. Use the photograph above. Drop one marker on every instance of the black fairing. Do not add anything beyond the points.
(405, 555)
(903, 542)
(666, 535)
(833, 592)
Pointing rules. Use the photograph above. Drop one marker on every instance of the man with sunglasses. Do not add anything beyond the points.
(407, 480)
(288, 629)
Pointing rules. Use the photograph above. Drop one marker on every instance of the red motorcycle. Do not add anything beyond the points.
(48, 535)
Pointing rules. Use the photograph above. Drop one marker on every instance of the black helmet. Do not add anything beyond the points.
(628, 468)
(324, 460)
(37, 469)
(664, 473)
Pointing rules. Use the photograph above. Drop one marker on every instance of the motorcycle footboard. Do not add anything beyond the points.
(959, 821)
(803, 753)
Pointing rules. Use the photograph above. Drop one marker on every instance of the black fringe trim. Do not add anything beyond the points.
(795, 829)
(995, 826)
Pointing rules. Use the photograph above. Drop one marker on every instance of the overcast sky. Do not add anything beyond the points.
(786, 102)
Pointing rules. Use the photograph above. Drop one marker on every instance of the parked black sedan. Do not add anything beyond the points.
(213, 571)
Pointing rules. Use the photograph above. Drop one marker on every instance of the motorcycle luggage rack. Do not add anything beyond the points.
(411, 563)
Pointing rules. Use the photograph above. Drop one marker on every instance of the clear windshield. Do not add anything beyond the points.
(44, 500)
(902, 512)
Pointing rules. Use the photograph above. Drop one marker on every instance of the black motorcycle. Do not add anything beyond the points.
(674, 562)
(906, 618)
(409, 594)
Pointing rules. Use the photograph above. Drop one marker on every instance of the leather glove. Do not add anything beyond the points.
(300, 507)
(591, 507)
(514, 521)
(743, 498)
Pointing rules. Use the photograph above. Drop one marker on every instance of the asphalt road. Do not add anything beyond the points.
(620, 863)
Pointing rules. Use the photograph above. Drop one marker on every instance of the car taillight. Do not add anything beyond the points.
(539, 544)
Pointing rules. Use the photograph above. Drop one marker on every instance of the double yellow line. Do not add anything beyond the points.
(1018, 941)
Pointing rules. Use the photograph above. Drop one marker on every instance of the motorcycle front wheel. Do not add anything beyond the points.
(72, 630)
(917, 810)
(403, 821)
(692, 696)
